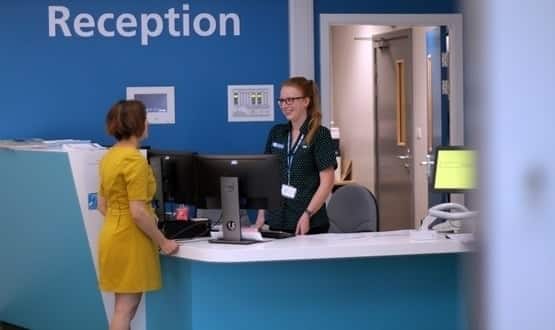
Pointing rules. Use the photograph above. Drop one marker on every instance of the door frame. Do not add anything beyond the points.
(454, 24)
(456, 99)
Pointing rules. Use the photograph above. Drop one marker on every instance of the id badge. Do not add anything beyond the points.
(288, 191)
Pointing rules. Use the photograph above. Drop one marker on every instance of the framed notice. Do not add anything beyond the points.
(159, 102)
(250, 103)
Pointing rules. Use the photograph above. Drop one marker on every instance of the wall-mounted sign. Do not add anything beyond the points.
(159, 102)
(250, 103)
(148, 25)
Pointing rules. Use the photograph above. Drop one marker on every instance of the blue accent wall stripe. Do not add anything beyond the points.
(409, 292)
(172, 306)
(47, 277)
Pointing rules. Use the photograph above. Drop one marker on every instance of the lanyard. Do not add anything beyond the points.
(291, 151)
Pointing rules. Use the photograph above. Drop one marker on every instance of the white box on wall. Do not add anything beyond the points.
(250, 103)
(159, 102)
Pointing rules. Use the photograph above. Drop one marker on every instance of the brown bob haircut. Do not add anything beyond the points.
(125, 119)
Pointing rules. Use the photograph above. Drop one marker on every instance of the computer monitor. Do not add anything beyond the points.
(175, 179)
(234, 182)
(454, 169)
(258, 175)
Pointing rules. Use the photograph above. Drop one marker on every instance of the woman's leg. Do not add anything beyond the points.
(124, 310)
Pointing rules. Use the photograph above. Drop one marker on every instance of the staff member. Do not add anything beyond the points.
(129, 239)
(308, 161)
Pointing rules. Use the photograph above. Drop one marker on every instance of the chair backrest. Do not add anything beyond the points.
(351, 209)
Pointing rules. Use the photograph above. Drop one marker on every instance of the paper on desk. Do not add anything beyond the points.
(246, 233)
(82, 146)
(464, 237)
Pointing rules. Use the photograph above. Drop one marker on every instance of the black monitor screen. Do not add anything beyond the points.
(174, 172)
(258, 176)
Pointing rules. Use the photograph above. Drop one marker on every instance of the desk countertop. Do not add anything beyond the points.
(323, 246)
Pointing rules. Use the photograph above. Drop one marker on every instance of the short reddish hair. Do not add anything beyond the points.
(125, 119)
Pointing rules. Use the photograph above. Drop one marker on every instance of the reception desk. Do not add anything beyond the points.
(329, 281)
(323, 246)
(48, 279)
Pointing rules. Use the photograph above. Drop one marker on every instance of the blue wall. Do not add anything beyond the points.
(376, 7)
(62, 87)
(386, 7)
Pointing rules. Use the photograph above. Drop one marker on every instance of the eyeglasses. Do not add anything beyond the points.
(289, 100)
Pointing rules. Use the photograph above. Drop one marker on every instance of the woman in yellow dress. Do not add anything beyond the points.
(128, 257)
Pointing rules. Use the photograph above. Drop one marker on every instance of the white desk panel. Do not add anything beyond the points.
(323, 246)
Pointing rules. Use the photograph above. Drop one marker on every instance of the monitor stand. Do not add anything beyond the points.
(231, 220)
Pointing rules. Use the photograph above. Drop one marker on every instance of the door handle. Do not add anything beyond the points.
(429, 162)
(403, 157)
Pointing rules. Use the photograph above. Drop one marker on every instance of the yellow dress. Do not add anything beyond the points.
(128, 259)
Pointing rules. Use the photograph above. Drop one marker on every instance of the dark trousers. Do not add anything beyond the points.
(319, 230)
(314, 230)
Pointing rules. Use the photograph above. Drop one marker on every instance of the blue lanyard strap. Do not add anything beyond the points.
(291, 151)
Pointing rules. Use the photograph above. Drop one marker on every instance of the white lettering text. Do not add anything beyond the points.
(61, 21)
(102, 25)
(152, 25)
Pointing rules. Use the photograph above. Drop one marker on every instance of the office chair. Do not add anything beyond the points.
(351, 209)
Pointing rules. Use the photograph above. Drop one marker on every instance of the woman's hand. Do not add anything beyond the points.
(303, 225)
(169, 246)
(260, 220)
